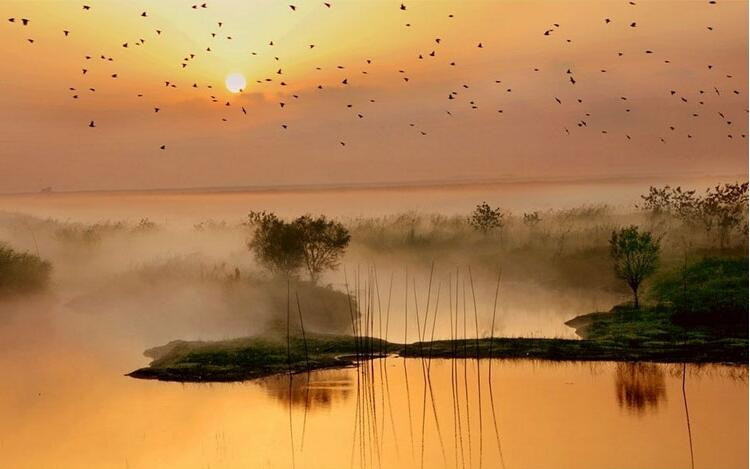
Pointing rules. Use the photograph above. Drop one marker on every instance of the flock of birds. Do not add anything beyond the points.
(584, 121)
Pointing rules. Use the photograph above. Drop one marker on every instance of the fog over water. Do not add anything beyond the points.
(126, 285)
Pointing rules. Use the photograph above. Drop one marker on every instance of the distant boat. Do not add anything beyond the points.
(46, 190)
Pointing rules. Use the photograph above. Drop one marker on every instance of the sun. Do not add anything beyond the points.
(235, 82)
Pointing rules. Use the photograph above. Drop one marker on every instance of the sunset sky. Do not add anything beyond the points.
(210, 142)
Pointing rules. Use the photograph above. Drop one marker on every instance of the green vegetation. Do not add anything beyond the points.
(722, 351)
(255, 357)
(22, 272)
(701, 317)
(284, 247)
(622, 335)
(711, 293)
(636, 256)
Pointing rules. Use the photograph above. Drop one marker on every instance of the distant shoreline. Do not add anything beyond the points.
(384, 185)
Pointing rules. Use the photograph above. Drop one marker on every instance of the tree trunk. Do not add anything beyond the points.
(635, 296)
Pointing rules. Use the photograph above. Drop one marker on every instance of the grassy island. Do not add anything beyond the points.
(699, 315)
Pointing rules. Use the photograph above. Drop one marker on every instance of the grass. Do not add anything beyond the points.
(623, 334)
(254, 357)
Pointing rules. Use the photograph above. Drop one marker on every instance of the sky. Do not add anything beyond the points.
(666, 96)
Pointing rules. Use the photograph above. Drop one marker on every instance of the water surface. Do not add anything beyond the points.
(66, 404)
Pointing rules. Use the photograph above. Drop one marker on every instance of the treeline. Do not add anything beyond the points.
(721, 210)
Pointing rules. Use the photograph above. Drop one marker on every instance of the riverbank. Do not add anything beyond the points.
(623, 334)
(256, 357)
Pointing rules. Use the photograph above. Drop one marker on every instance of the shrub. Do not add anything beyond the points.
(485, 218)
(22, 272)
(710, 291)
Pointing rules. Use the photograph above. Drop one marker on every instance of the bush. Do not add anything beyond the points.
(713, 291)
(486, 219)
(22, 272)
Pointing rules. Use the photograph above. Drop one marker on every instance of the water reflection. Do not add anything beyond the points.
(69, 408)
(316, 390)
(467, 413)
(639, 387)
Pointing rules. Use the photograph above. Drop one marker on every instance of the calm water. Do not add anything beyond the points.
(66, 404)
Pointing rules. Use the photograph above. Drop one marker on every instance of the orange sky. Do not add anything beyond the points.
(45, 138)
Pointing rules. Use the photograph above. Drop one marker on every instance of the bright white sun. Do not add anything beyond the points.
(235, 82)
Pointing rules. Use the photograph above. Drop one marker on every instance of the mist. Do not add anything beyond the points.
(148, 279)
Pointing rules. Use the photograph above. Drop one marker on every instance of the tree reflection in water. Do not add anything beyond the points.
(639, 386)
(316, 390)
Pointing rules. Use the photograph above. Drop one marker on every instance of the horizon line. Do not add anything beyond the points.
(380, 185)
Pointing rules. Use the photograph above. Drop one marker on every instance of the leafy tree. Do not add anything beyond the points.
(636, 256)
(285, 247)
(277, 245)
(725, 208)
(485, 218)
(323, 241)
(672, 201)
(721, 209)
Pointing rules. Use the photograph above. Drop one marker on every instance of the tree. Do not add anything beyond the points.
(277, 245)
(672, 201)
(725, 207)
(285, 247)
(323, 243)
(721, 209)
(636, 256)
(485, 218)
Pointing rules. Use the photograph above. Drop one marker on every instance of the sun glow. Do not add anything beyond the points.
(235, 82)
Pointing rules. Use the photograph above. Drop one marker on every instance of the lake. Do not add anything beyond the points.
(66, 404)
